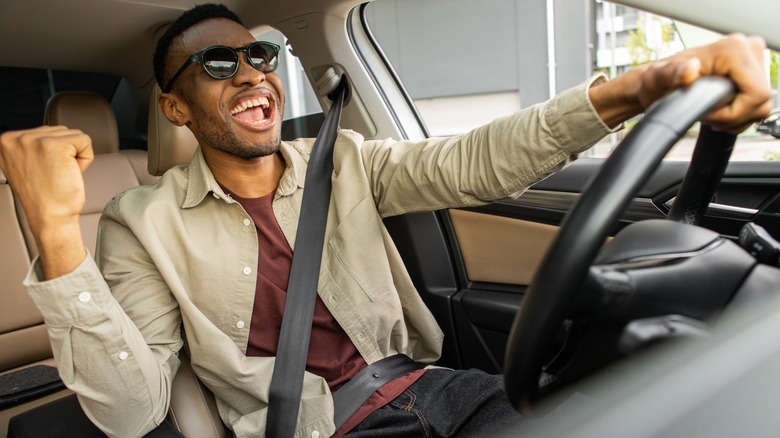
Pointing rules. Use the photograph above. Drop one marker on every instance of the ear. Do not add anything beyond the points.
(173, 108)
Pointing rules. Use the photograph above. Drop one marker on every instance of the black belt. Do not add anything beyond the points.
(354, 393)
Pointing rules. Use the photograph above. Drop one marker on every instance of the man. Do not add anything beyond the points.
(207, 250)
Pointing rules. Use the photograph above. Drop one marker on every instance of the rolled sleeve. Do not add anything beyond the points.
(573, 121)
(100, 353)
(497, 160)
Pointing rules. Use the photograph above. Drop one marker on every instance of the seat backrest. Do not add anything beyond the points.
(168, 145)
(91, 113)
(23, 338)
(106, 177)
(193, 408)
(112, 172)
(24, 342)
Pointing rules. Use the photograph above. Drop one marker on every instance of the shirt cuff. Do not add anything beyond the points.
(573, 120)
(74, 298)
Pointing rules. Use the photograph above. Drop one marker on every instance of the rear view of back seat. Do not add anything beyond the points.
(27, 374)
(193, 409)
(112, 172)
(91, 113)
(24, 344)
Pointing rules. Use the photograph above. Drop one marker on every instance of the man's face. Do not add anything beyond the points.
(241, 115)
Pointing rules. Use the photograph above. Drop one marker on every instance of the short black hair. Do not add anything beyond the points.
(188, 19)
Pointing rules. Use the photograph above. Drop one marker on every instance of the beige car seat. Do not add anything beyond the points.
(27, 373)
(23, 339)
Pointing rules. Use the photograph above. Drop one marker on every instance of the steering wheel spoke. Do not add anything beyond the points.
(710, 158)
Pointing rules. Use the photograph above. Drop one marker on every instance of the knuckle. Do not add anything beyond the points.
(28, 138)
(9, 138)
(757, 42)
(5, 140)
(47, 143)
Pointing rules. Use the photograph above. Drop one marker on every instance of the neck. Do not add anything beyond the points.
(246, 178)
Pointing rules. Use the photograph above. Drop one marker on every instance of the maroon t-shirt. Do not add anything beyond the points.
(332, 355)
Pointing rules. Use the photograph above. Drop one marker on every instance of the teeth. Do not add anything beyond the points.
(250, 103)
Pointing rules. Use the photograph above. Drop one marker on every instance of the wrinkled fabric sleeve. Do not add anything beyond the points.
(498, 160)
(120, 362)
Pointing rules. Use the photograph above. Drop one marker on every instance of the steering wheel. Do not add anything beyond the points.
(557, 283)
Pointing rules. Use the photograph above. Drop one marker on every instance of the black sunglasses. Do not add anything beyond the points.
(221, 62)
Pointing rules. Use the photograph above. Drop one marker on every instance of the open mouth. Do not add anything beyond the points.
(254, 111)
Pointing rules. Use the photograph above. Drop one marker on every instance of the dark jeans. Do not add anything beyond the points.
(444, 403)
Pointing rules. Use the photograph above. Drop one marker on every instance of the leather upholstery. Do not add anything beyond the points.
(193, 408)
(23, 338)
(87, 111)
(137, 159)
(91, 113)
(168, 145)
(22, 334)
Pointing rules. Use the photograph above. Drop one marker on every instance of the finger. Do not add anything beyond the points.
(734, 119)
(76, 143)
(662, 77)
(746, 68)
(742, 112)
(82, 146)
(687, 72)
(52, 128)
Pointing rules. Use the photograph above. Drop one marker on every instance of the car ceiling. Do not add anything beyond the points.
(118, 33)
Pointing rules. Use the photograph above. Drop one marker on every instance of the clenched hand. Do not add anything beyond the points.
(44, 167)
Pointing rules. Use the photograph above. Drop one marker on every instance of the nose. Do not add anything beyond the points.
(246, 74)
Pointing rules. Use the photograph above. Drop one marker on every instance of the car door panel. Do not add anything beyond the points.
(499, 249)
(473, 265)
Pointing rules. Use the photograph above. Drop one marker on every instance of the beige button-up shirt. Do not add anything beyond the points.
(179, 257)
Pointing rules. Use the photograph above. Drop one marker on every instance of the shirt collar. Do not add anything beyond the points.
(201, 181)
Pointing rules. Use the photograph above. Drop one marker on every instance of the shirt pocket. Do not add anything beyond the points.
(358, 247)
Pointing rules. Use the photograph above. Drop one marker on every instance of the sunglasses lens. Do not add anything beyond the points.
(220, 62)
(263, 57)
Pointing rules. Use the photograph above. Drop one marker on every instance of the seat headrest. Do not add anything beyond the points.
(87, 111)
(169, 145)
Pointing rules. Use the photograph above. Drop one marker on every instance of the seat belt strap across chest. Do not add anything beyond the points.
(292, 350)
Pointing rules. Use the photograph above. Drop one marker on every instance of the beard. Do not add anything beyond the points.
(227, 141)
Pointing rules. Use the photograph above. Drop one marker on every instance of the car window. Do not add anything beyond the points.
(464, 69)
(302, 111)
(300, 99)
(25, 91)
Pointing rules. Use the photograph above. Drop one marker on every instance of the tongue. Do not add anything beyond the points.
(251, 115)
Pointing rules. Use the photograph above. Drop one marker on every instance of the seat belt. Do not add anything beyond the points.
(350, 397)
(292, 350)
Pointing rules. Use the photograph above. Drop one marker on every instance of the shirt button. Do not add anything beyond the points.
(123, 355)
(240, 324)
(247, 222)
(247, 270)
(85, 296)
(315, 434)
